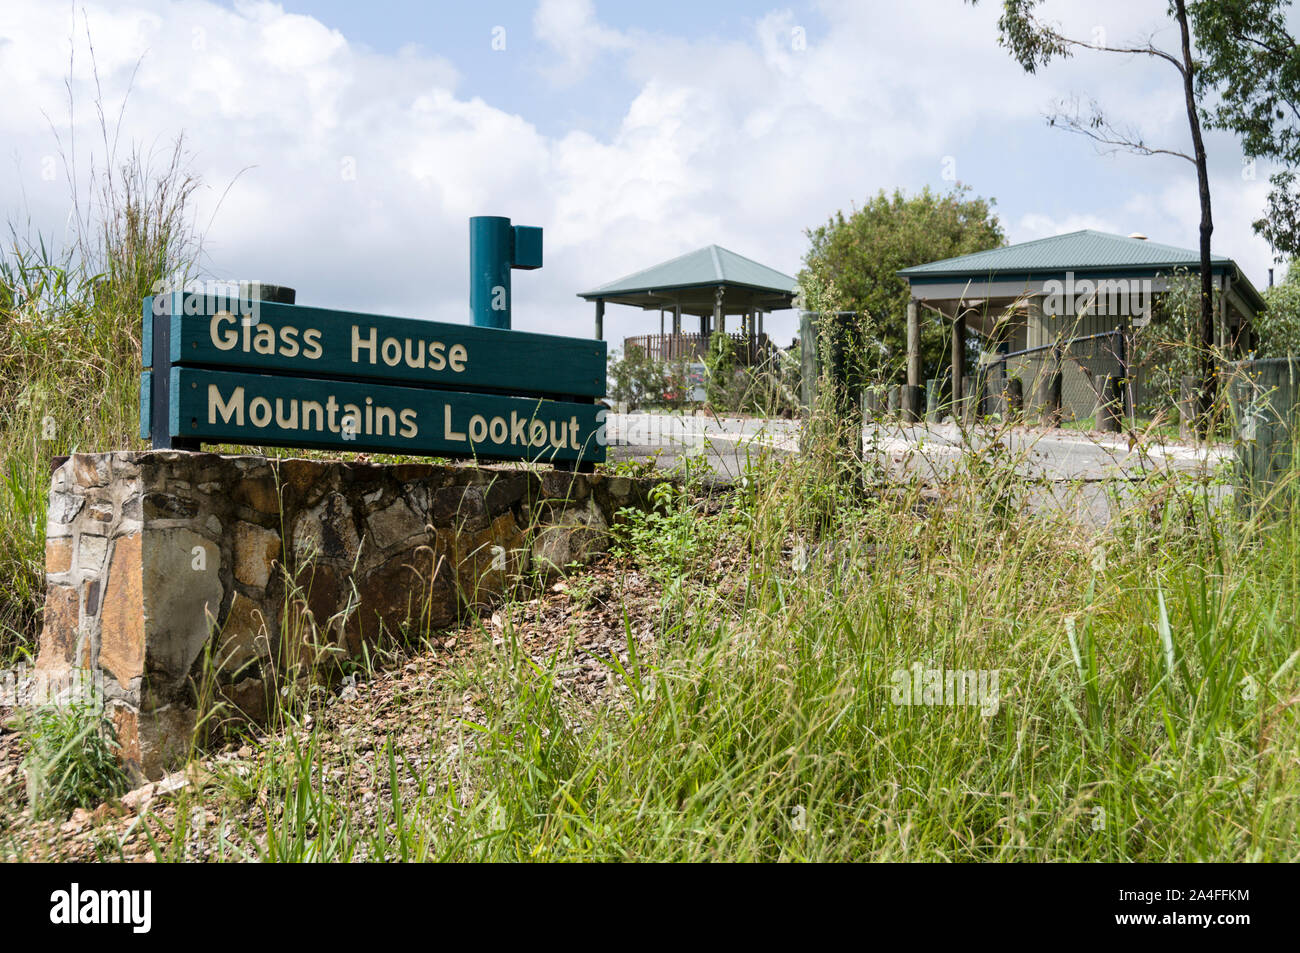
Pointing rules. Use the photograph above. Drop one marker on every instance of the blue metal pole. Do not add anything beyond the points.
(491, 255)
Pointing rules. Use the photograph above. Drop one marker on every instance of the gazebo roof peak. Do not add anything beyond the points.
(708, 267)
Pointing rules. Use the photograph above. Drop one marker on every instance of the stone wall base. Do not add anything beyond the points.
(173, 574)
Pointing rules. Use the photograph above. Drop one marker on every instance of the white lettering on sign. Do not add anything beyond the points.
(293, 414)
(416, 354)
(368, 419)
(499, 302)
(516, 430)
(231, 411)
(447, 432)
(228, 333)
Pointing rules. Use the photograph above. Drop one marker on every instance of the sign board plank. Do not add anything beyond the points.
(146, 403)
(146, 335)
(245, 408)
(268, 337)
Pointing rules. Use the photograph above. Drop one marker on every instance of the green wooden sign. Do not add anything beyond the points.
(318, 342)
(252, 367)
(263, 409)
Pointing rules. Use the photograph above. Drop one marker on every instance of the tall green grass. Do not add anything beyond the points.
(70, 350)
(1146, 704)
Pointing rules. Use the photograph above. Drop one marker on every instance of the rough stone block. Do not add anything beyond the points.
(182, 594)
(256, 552)
(394, 524)
(58, 556)
(575, 536)
(91, 551)
(327, 530)
(60, 629)
(461, 506)
(122, 640)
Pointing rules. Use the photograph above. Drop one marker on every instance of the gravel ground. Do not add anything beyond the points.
(418, 701)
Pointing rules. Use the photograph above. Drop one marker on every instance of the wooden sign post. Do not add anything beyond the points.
(232, 368)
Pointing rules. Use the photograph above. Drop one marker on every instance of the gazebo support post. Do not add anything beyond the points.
(719, 313)
(911, 397)
(677, 331)
(600, 319)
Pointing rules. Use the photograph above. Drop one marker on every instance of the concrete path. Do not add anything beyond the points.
(1075, 466)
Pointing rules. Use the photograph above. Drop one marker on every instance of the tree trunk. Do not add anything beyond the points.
(1207, 380)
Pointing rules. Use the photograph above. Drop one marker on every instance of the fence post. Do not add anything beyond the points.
(934, 399)
(912, 395)
(1110, 405)
(1264, 398)
(809, 366)
(1049, 392)
(958, 362)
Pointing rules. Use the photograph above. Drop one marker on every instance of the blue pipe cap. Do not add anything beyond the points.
(528, 247)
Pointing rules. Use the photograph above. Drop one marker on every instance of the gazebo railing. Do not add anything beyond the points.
(692, 347)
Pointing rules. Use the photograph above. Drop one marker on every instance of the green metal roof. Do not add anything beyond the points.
(1082, 249)
(1085, 250)
(708, 267)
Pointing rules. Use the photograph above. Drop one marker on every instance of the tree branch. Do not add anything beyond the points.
(1149, 50)
(1098, 129)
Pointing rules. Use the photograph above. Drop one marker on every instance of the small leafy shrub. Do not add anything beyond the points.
(665, 540)
(72, 759)
(722, 384)
(636, 378)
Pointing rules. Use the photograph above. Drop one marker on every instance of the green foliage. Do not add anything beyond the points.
(1030, 44)
(70, 351)
(1167, 348)
(637, 378)
(860, 254)
(664, 540)
(676, 384)
(722, 388)
(72, 759)
(1279, 326)
(1143, 711)
(1250, 70)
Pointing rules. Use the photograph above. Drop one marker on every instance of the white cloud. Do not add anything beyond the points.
(363, 167)
(570, 29)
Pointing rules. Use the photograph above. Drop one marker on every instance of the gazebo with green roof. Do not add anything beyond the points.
(710, 283)
(1053, 292)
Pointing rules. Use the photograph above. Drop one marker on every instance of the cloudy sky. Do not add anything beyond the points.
(343, 145)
